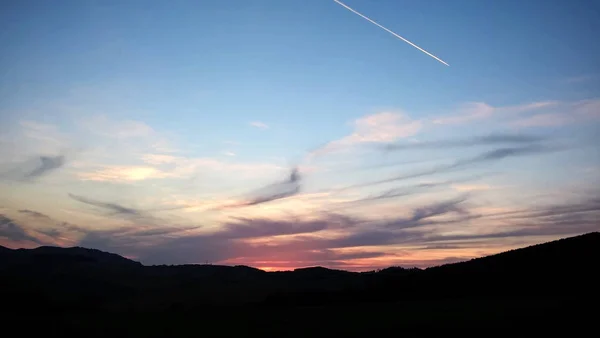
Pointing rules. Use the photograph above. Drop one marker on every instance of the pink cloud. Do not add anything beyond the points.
(377, 128)
(474, 111)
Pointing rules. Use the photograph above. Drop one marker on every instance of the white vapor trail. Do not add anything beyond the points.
(391, 32)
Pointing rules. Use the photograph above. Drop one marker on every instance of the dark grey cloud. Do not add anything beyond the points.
(52, 232)
(488, 156)
(46, 165)
(34, 168)
(273, 192)
(13, 231)
(34, 214)
(58, 229)
(153, 245)
(570, 218)
(230, 241)
(492, 139)
(114, 208)
(431, 210)
(498, 154)
(142, 216)
(165, 230)
(410, 190)
(250, 228)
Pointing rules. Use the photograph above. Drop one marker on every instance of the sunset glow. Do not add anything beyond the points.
(203, 132)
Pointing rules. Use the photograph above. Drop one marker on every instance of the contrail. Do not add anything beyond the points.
(391, 32)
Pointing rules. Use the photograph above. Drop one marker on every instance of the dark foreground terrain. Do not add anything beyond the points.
(546, 288)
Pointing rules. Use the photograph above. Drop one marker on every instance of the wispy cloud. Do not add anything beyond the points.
(13, 231)
(544, 120)
(469, 112)
(488, 156)
(574, 112)
(272, 192)
(34, 213)
(123, 174)
(114, 208)
(334, 240)
(120, 129)
(412, 190)
(378, 128)
(46, 165)
(34, 168)
(471, 187)
(492, 139)
(473, 111)
(541, 113)
(259, 125)
(181, 167)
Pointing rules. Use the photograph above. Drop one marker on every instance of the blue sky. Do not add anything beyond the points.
(200, 107)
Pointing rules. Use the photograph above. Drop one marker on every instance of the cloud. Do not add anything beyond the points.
(13, 231)
(544, 120)
(262, 227)
(553, 113)
(229, 242)
(181, 167)
(123, 129)
(34, 214)
(272, 192)
(335, 240)
(492, 139)
(47, 164)
(129, 232)
(574, 112)
(46, 137)
(473, 111)
(568, 218)
(378, 128)
(488, 156)
(501, 153)
(471, 187)
(409, 190)
(259, 125)
(116, 209)
(144, 216)
(469, 112)
(34, 168)
(428, 211)
(123, 174)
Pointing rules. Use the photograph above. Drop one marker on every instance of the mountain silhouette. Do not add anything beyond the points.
(528, 285)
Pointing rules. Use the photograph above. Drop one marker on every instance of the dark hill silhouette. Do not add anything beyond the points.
(76, 277)
(547, 283)
(57, 255)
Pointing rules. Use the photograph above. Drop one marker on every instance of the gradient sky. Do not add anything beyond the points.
(284, 134)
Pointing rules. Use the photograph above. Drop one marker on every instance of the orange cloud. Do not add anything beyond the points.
(123, 174)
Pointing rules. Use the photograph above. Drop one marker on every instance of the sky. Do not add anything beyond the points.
(285, 134)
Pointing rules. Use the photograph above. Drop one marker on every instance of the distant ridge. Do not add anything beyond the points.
(58, 255)
(55, 278)
(580, 244)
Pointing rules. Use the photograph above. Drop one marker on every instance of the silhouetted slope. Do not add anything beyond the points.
(56, 255)
(564, 267)
(76, 279)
